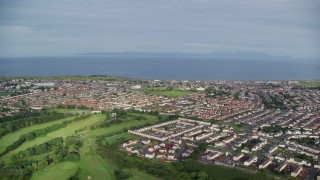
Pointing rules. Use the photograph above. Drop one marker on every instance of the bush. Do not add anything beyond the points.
(73, 156)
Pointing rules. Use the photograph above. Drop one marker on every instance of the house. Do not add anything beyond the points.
(282, 166)
(171, 151)
(160, 155)
(150, 149)
(212, 156)
(171, 156)
(129, 143)
(237, 157)
(187, 153)
(297, 171)
(134, 151)
(163, 150)
(299, 161)
(251, 160)
(265, 164)
(245, 150)
(273, 149)
(146, 142)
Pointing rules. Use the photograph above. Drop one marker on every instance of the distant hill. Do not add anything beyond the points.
(239, 54)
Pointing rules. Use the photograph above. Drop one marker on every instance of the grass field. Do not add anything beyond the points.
(64, 132)
(91, 164)
(14, 136)
(309, 83)
(169, 93)
(54, 172)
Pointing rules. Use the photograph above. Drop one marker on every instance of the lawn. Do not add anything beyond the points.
(62, 170)
(169, 93)
(64, 132)
(8, 139)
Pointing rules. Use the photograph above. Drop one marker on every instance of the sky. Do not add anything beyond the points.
(68, 27)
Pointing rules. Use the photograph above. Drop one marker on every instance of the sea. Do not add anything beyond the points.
(164, 68)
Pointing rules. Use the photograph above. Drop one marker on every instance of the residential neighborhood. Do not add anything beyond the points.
(271, 126)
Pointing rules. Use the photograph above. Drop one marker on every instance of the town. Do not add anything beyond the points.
(271, 126)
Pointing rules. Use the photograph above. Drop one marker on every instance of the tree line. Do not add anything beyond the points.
(25, 122)
(61, 151)
(41, 132)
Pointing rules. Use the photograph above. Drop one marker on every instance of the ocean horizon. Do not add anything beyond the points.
(163, 68)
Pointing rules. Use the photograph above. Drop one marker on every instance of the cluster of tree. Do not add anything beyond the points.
(39, 149)
(274, 103)
(31, 136)
(221, 172)
(41, 132)
(25, 122)
(27, 114)
(273, 129)
(201, 148)
(73, 106)
(24, 169)
(122, 175)
(305, 157)
(308, 141)
(251, 143)
(213, 93)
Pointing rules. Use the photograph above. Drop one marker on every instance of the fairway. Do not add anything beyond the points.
(8, 139)
(62, 170)
(64, 132)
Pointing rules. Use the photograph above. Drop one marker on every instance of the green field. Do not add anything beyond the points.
(14, 136)
(92, 164)
(64, 132)
(309, 83)
(169, 93)
(54, 172)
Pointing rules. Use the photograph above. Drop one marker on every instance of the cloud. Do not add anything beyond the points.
(287, 27)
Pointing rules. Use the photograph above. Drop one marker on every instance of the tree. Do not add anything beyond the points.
(42, 164)
(202, 175)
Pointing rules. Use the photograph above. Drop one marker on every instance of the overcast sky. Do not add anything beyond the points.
(67, 27)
